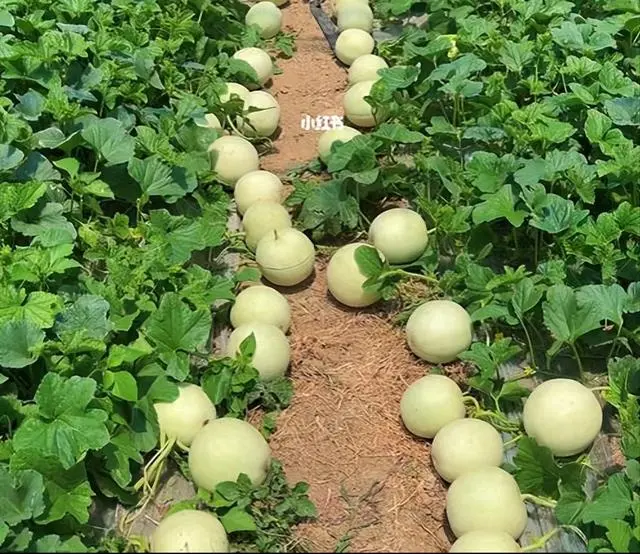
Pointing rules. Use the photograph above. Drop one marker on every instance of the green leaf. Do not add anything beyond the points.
(36, 168)
(120, 354)
(525, 297)
(609, 302)
(596, 126)
(569, 508)
(237, 519)
(88, 314)
(624, 111)
(554, 214)
(122, 385)
(568, 36)
(395, 132)
(176, 237)
(157, 179)
(619, 534)
(10, 157)
(399, 77)
(564, 317)
(22, 497)
(20, 342)
(498, 205)
(6, 19)
(516, 55)
(39, 307)
(68, 491)
(53, 543)
(16, 197)
(65, 427)
(174, 326)
(110, 140)
(51, 228)
(538, 473)
(613, 502)
(369, 261)
(488, 172)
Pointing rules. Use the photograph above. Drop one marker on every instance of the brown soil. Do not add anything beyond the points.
(311, 83)
(371, 481)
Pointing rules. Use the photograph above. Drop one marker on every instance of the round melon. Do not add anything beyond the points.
(464, 445)
(260, 61)
(232, 157)
(438, 331)
(353, 43)
(327, 138)
(563, 415)
(261, 304)
(189, 531)
(365, 68)
(486, 499)
(272, 354)
(260, 218)
(286, 257)
(345, 280)
(257, 185)
(223, 449)
(357, 109)
(267, 16)
(262, 123)
(430, 403)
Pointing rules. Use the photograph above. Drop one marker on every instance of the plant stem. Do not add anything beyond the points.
(513, 441)
(529, 342)
(541, 541)
(578, 360)
(546, 502)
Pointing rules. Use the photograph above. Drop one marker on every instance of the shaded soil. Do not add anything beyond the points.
(372, 482)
